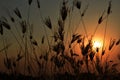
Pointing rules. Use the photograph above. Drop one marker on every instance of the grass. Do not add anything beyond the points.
(59, 60)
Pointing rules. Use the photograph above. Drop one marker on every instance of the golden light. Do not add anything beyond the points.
(97, 44)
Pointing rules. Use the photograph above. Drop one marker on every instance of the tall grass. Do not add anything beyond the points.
(59, 59)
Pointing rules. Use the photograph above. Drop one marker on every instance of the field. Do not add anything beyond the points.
(56, 49)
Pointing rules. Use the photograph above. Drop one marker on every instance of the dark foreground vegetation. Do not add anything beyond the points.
(66, 76)
(58, 60)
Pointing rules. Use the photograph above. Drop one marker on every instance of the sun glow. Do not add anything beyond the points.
(97, 44)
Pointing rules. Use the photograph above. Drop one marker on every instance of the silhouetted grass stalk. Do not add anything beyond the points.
(14, 23)
(105, 34)
(26, 52)
(99, 22)
(69, 27)
(76, 28)
(45, 31)
(16, 39)
(84, 25)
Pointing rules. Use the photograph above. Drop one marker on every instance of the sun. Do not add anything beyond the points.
(97, 44)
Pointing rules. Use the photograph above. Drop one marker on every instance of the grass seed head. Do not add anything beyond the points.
(75, 37)
(34, 42)
(86, 49)
(31, 37)
(12, 19)
(118, 42)
(109, 8)
(112, 42)
(61, 33)
(1, 28)
(17, 12)
(7, 63)
(6, 25)
(45, 57)
(84, 11)
(42, 39)
(48, 23)
(100, 20)
(29, 2)
(79, 40)
(59, 47)
(78, 4)
(38, 4)
(19, 58)
(97, 49)
(60, 23)
(64, 12)
(103, 52)
(91, 55)
(23, 26)
(56, 36)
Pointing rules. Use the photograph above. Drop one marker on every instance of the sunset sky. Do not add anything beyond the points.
(51, 8)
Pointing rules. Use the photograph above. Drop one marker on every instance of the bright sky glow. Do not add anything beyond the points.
(97, 44)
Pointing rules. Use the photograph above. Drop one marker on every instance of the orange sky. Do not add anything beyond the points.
(51, 8)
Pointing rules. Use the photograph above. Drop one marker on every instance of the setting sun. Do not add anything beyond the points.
(97, 44)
